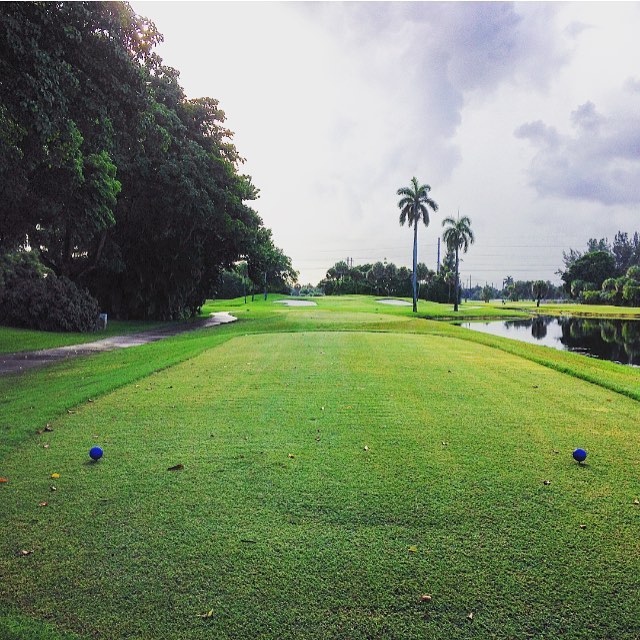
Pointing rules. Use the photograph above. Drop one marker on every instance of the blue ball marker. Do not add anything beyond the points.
(95, 454)
(580, 455)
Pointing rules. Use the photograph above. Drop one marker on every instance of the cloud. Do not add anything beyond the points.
(426, 58)
(598, 161)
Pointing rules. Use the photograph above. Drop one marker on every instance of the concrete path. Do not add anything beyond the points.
(18, 362)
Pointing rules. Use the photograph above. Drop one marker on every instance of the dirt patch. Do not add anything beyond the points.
(18, 362)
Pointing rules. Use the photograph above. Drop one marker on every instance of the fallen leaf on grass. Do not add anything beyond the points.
(48, 428)
(636, 501)
(53, 488)
(413, 549)
(25, 552)
(547, 482)
(176, 467)
(46, 446)
(583, 526)
(55, 475)
(43, 504)
(205, 616)
(366, 448)
(425, 598)
(470, 616)
(4, 480)
(291, 455)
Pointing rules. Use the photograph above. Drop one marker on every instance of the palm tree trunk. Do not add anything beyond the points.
(415, 265)
(455, 303)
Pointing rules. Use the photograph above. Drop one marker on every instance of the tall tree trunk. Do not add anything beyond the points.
(457, 295)
(415, 266)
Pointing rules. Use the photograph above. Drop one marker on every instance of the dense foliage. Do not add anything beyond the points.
(385, 278)
(273, 275)
(120, 182)
(35, 298)
(515, 290)
(606, 273)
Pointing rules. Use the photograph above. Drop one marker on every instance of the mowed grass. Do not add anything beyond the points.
(330, 479)
(14, 340)
(371, 304)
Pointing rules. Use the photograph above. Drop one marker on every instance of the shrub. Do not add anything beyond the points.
(631, 293)
(592, 297)
(33, 298)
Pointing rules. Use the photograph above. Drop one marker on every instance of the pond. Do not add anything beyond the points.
(616, 340)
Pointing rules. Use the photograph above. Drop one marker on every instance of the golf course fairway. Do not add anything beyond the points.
(282, 478)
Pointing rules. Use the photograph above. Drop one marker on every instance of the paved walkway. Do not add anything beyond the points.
(18, 362)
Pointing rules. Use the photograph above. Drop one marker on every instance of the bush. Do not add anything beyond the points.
(592, 297)
(631, 293)
(33, 298)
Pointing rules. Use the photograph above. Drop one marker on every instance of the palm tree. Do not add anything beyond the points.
(414, 206)
(458, 235)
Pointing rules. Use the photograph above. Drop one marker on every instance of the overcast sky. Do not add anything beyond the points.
(524, 117)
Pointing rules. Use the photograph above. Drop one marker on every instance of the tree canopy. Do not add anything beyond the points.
(108, 172)
(606, 273)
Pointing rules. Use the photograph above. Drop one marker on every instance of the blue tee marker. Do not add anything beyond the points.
(95, 454)
(580, 455)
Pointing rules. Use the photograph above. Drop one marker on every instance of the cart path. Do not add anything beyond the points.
(24, 360)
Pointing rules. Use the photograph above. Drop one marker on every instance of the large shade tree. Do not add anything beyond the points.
(457, 235)
(414, 207)
(108, 171)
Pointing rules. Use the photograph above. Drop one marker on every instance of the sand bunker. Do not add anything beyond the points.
(396, 303)
(297, 303)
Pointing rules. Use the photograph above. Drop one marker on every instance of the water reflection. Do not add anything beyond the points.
(616, 340)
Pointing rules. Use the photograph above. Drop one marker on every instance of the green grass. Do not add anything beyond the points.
(371, 304)
(16, 340)
(574, 309)
(318, 545)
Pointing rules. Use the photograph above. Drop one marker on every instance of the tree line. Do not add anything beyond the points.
(606, 273)
(112, 180)
(387, 279)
